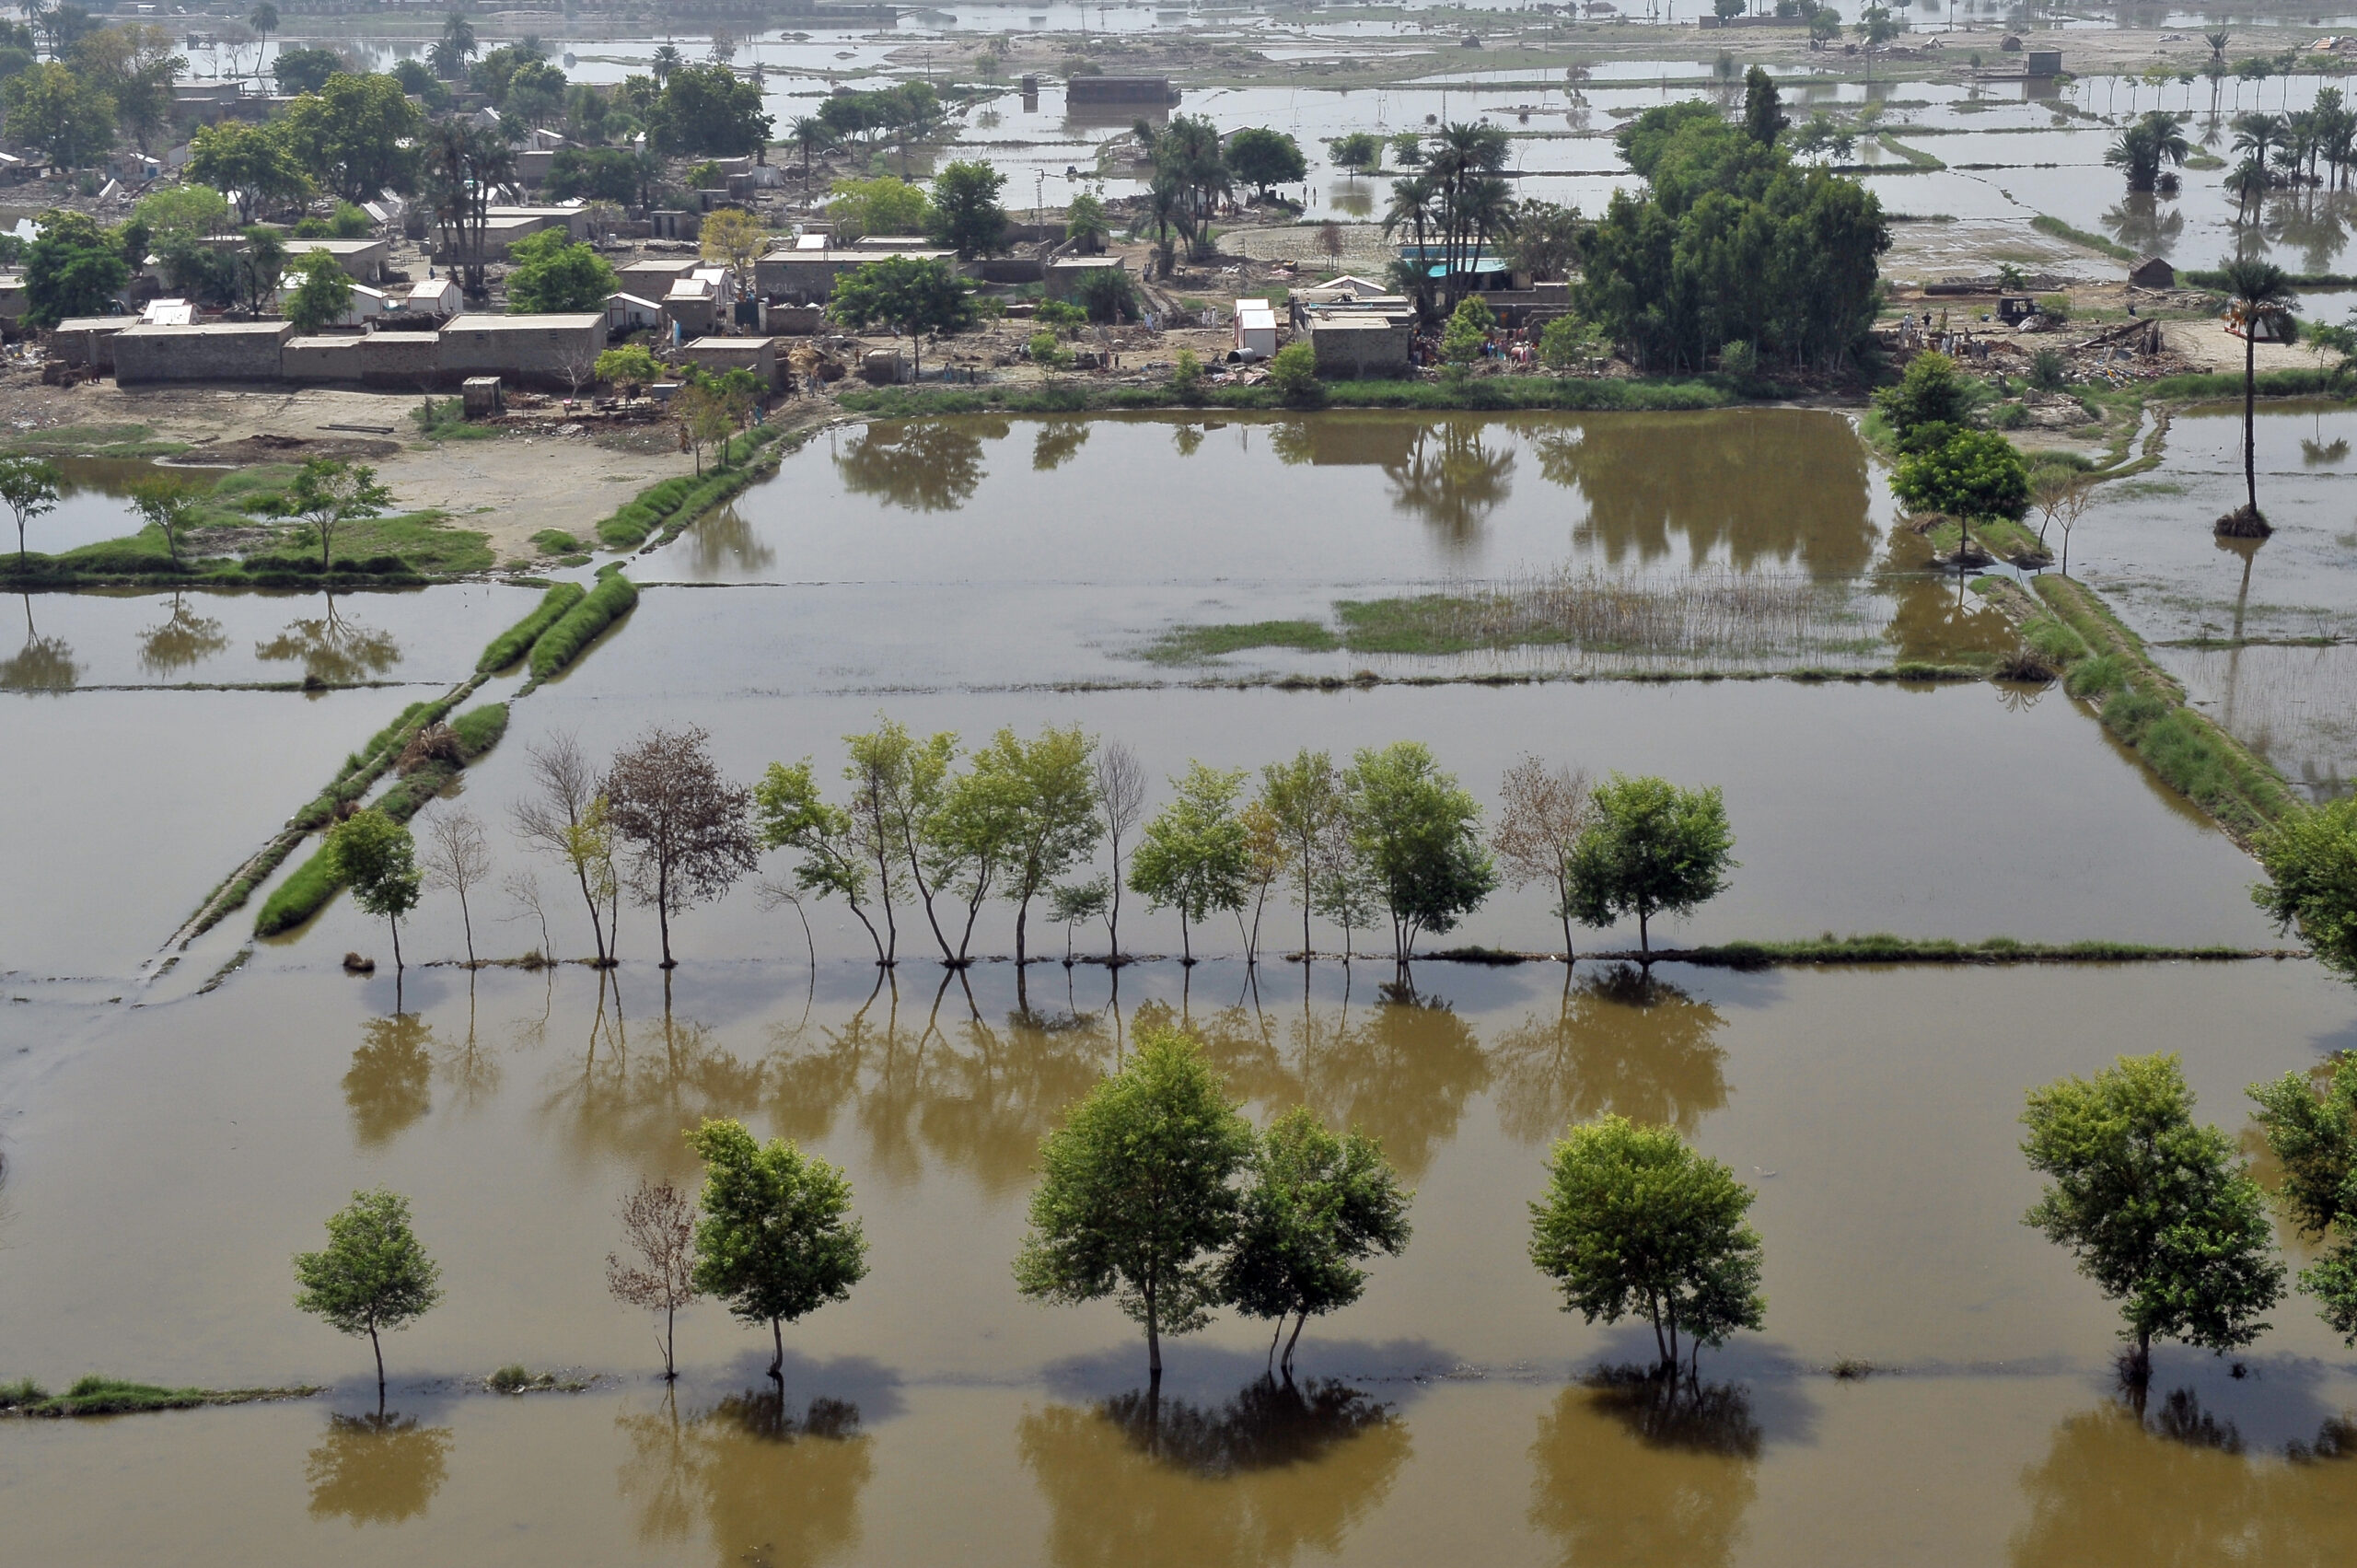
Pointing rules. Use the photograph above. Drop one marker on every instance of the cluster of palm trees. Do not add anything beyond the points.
(2281, 150)
(1451, 207)
(1190, 180)
(466, 167)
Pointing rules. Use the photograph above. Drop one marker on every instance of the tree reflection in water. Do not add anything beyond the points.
(928, 466)
(725, 540)
(770, 1486)
(185, 638)
(1452, 476)
(1634, 1468)
(2175, 1486)
(332, 650)
(377, 1469)
(1058, 442)
(43, 664)
(1621, 1041)
(389, 1083)
(2139, 221)
(1277, 1471)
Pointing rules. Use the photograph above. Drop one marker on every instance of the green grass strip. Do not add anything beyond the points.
(479, 729)
(2058, 229)
(578, 627)
(1483, 392)
(512, 645)
(1193, 645)
(113, 1396)
(678, 500)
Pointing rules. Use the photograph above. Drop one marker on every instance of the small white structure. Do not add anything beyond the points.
(1255, 329)
(629, 313)
(169, 313)
(366, 303)
(434, 297)
(1347, 289)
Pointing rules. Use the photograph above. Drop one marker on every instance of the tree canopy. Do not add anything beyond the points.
(2312, 1132)
(552, 274)
(73, 268)
(2161, 1214)
(2310, 862)
(708, 111)
(909, 295)
(966, 214)
(1634, 1221)
(1316, 1206)
(777, 1241)
(1136, 1196)
(1262, 159)
(1649, 848)
(1418, 833)
(372, 1277)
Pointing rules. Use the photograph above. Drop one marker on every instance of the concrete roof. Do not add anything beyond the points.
(207, 329)
(96, 323)
(336, 247)
(528, 323)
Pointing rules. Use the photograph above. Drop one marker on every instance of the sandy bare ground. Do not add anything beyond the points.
(508, 488)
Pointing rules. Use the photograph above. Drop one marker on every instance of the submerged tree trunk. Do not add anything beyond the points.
(670, 1368)
(377, 1345)
(777, 1353)
(1153, 1340)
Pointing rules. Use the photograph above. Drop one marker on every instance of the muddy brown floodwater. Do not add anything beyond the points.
(166, 1149)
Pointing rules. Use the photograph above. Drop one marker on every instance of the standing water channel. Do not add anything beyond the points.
(167, 1147)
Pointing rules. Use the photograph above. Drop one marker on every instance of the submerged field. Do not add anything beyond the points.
(166, 1147)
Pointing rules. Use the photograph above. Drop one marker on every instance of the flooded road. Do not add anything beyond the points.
(166, 1151)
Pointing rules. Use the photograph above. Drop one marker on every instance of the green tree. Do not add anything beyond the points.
(1636, 1220)
(2310, 862)
(73, 268)
(182, 212)
(708, 111)
(2313, 1135)
(1085, 224)
(1417, 831)
(1305, 798)
(1649, 848)
(1105, 295)
(1314, 1206)
(328, 492)
(251, 164)
(1049, 788)
(2156, 139)
(1194, 856)
(629, 365)
(885, 205)
(791, 814)
(1136, 1197)
(1973, 473)
(2161, 1215)
(1360, 151)
(1932, 392)
(30, 488)
(1763, 113)
(966, 214)
(257, 270)
(304, 70)
(594, 174)
(1467, 332)
(50, 108)
(1293, 370)
(1265, 158)
(357, 136)
(2255, 290)
(898, 783)
(164, 506)
(550, 275)
(376, 857)
(134, 66)
(908, 295)
(777, 1241)
(1545, 242)
(322, 295)
(373, 1277)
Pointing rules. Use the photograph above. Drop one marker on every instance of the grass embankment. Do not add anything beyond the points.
(2056, 228)
(1916, 157)
(580, 625)
(313, 883)
(511, 645)
(675, 503)
(91, 441)
(2201, 277)
(1880, 948)
(113, 1396)
(2105, 664)
(1475, 393)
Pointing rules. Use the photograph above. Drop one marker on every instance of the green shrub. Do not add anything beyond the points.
(2097, 677)
(1187, 378)
(516, 641)
(304, 894)
(556, 541)
(1057, 313)
(2049, 371)
(563, 643)
(2132, 713)
(2053, 639)
(2009, 416)
(1294, 372)
(1046, 348)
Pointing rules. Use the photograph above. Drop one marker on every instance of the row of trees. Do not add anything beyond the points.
(1155, 1193)
(1392, 839)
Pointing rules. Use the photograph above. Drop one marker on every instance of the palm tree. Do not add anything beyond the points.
(264, 21)
(2217, 43)
(809, 133)
(1412, 207)
(2257, 135)
(2256, 291)
(2145, 145)
(2247, 181)
(666, 59)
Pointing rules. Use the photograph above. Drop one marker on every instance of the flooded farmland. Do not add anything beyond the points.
(167, 1147)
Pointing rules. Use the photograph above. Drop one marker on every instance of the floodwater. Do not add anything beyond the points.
(167, 1147)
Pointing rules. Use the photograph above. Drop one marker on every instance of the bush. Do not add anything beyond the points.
(1738, 358)
(1046, 348)
(564, 643)
(2049, 371)
(2008, 416)
(1187, 378)
(2097, 677)
(2055, 308)
(1294, 372)
(516, 641)
(1106, 294)
(1059, 314)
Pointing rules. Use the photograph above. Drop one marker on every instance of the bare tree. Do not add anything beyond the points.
(2062, 500)
(690, 832)
(659, 1223)
(563, 819)
(1121, 801)
(1545, 811)
(523, 889)
(579, 369)
(458, 856)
